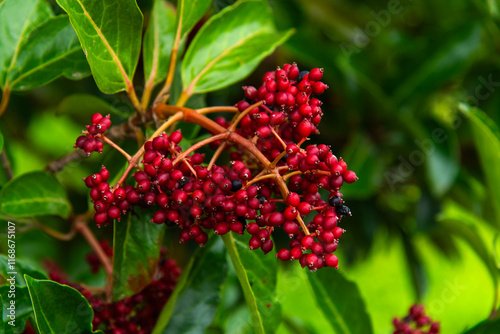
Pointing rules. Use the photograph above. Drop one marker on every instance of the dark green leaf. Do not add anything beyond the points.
(361, 155)
(110, 33)
(485, 327)
(193, 304)
(16, 22)
(487, 140)
(137, 243)
(158, 41)
(1, 142)
(257, 275)
(189, 12)
(59, 309)
(86, 105)
(20, 268)
(229, 46)
(49, 51)
(443, 156)
(22, 307)
(34, 194)
(452, 58)
(340, 301)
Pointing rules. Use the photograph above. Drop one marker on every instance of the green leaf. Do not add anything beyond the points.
(23, 308)
(474, 231)
(110, 33)
(189, 12)
(229, 46)
(158, 41)
(34, 194)
(19, 268)
(451, 59)
(442, 157)
(58, 308)
(257, 275)
(486, 327)
(1, 142)
(49, 51)
(487, 139)
(137, 243)
(197, 294)
(86, 105)
(340, 301)
(16, 22)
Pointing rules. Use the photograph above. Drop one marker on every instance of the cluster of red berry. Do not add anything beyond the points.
(250, 193)
(89, 142)
(93, 260)
(416, 322)
(136, 314)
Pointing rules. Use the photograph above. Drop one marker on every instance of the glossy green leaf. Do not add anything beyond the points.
(23, 308)
(16, 23)
(158, 41)
(50, 51)
(340, 301)
(229, 46)
(34, 194)
(17, 269)
(487, 140)
(86, 105)
(257, 275)
(189, 12)
(193, 304)
(59, 309)
(475, 231)
(450, 59)
(486, 327)
(137, 243)
(110, 33)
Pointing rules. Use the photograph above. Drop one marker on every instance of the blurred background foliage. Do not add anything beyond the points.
(425, 220)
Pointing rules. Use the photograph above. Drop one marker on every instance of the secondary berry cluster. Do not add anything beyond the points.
(416, 322)
(272, 183)
(89, 142)
(136, 314)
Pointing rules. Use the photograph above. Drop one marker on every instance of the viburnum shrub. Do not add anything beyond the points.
(246, 175)
(271, 183)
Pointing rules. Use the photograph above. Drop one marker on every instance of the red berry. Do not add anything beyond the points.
(304, 128)
(284, 254)
(316, 74)
(307, 242)
(349, 176)
(331, 260)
